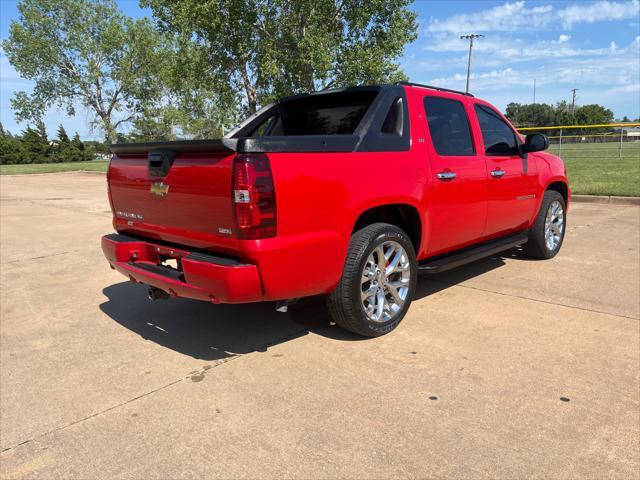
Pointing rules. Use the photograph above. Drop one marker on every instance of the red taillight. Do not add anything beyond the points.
(254, 197)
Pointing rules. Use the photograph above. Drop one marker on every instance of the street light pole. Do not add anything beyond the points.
(470, 37)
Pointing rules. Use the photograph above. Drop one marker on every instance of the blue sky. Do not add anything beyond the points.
(593, 46)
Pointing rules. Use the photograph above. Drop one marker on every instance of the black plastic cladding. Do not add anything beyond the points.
(372, 138)
(367, 137)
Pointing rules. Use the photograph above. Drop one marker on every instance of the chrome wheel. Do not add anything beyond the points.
(554, 225)
(385, 281)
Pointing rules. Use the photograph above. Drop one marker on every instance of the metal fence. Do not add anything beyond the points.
(613, 140)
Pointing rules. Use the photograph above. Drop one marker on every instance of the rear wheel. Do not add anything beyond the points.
(547, 234)
(377, 283)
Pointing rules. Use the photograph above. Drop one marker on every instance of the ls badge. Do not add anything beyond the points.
(159, 189)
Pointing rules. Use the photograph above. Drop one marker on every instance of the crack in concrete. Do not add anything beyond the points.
(202, 371)
(52, 204)
(534, 299)
(46, 256)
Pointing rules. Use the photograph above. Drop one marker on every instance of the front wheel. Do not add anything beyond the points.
(377, 283)
(547, 234)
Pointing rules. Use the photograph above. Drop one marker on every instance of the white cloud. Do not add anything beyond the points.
(631, 88)
(603, 10)
(529, 39)
(487, 78)
(497, 50)
(615, 73)
(516, 16)
(508, 17)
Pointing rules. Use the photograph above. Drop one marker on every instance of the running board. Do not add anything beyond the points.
(448, 261)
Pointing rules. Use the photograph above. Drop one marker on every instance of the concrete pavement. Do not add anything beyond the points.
(504, 368)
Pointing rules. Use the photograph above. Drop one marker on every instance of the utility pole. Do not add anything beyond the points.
(534, 91)
(471, 37)
(573, 101)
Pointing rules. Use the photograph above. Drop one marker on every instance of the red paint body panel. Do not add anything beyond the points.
(197, 204)
(319, 197)
(511, 199)
(202, 280)
(458, 209)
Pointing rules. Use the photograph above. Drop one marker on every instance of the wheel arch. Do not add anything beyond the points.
(403, 215)
(561, 187)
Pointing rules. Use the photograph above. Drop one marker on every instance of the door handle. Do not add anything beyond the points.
(446, 176)
(498, 173)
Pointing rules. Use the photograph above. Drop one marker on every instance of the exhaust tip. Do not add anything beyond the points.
(282, 306)
(156, 294)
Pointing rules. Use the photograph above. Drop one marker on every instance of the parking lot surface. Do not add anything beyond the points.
(502, 369)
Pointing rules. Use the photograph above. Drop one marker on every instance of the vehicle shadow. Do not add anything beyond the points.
(214, 332)
(430, 284)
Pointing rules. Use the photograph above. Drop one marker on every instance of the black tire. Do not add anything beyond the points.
(345, 304)
(536, 247)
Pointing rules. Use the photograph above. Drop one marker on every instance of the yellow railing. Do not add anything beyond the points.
(576, 144)
(562, 127)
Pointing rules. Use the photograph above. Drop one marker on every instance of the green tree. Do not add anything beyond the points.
(541, 114)
(10, 151)
(531, 115)
(63, 138)
(263, 50)
(61, 146)
(4, 133)
(78, 151)
(193, 103)
(35, 146)
(593, 114)
(82, 52)
(98, 147)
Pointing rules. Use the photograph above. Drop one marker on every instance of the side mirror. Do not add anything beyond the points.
(535, 142)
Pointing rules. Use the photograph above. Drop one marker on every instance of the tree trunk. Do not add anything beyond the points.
(249, 89)
(109, 130)
(308, 80)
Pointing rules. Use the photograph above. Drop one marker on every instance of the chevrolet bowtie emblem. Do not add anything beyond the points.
(159, 189)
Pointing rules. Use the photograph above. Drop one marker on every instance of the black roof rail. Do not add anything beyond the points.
(414, 84)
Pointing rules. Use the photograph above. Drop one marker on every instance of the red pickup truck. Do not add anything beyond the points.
(346, 193)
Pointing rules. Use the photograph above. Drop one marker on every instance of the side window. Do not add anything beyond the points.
(393, 123)
(499, 138)
(448, 126)
(270, 127)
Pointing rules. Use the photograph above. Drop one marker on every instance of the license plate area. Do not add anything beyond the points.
(169, 262)
(169, 258)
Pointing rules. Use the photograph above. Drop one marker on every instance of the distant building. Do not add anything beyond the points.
(631, 131)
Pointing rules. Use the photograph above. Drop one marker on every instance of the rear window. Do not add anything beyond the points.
(329, 114)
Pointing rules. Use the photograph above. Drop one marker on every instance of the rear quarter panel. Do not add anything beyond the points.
(319, 197)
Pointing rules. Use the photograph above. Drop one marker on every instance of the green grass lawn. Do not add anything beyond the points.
(53, 167)
(597, 169)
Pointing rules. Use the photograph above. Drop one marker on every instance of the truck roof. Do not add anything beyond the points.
(431, 87)
(359, 88)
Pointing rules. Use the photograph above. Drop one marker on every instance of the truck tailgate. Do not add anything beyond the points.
(189, 203)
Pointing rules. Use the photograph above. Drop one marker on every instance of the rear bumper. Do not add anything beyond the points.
(201, 277)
